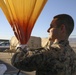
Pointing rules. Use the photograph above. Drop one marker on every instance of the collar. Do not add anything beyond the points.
(62, 42)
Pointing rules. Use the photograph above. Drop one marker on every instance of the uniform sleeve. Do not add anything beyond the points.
(29, 61)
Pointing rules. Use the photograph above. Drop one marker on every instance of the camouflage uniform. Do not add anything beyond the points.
(58, 59)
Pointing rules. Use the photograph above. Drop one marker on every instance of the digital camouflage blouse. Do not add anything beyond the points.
(58, 59)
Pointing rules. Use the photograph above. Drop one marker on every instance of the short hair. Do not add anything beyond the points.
(67, 20)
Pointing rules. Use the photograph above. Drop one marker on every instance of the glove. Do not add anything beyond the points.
(23, 48)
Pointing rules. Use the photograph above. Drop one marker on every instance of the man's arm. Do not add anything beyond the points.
(29, 61)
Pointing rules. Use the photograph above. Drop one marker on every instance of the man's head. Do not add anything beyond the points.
(61, 27)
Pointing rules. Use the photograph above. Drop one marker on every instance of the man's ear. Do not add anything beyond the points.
(63, 29)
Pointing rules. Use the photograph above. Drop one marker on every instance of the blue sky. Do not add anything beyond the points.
(52, 8)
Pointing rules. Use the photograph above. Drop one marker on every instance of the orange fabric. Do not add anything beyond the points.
(22, 15)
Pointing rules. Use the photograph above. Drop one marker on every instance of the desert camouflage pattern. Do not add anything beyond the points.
(57, 59)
